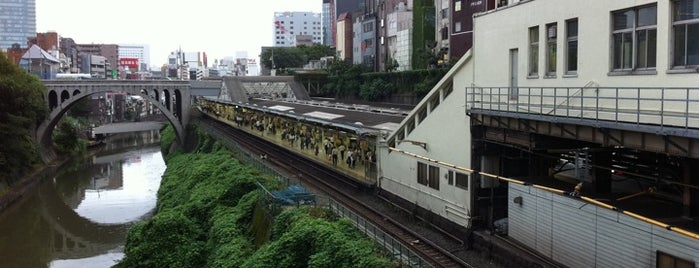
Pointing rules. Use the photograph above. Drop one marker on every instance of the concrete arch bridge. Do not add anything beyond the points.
(172, 98)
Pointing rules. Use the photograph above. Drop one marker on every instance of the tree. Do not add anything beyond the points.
(316, 52)
(22, 107)
(283, 58)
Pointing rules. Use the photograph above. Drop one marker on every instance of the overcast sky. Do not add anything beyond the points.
(218, 27)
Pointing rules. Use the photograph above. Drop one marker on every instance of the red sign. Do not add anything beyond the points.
(132, 63)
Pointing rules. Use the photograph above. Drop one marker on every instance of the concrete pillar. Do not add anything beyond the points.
(602, 176)
(690, 196)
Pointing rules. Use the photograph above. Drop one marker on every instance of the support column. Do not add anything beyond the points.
(690, 196)
(602, 176)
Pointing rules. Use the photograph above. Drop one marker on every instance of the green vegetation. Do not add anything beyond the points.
(66, 137)
(423, 34)
(21, 109)
(353, 81)
(293, 57)
(210, 214)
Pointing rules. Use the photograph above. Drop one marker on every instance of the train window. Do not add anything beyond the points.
(462, 181)
(422, 173)
(451, 177)
(434, 177)
(665, 260)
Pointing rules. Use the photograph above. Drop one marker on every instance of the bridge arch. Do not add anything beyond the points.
(84, 88)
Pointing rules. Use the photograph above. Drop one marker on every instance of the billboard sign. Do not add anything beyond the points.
(132, 63)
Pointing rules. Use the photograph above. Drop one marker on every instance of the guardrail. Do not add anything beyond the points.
(660, 107)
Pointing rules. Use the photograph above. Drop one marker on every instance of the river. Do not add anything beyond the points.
(80, 217)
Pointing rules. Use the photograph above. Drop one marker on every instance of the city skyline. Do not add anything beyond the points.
(221, 29)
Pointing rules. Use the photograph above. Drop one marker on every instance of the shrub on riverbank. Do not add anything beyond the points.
(204, 218)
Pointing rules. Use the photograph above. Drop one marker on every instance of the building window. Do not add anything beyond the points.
(457, 6)
(422, 173)
(462, 181)
(685, 27)
(634, 37)
(534, 51)
(434, 177)
(457, 27)
(551, 34)
(665, 260)
(571, 46)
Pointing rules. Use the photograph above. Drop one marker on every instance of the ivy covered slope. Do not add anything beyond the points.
(207, 204)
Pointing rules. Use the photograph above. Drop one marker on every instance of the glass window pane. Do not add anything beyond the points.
(680, 41)
(642, 46)
(534, 60)
(651, 50)
(685, 10)
(572, 28)
(627, 49)
(647, 16)
(617, 51)
(623, 20)
(573, 56)
(693, 44)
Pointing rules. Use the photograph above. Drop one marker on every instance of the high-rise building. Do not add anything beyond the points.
(289, 25)
(17, 22)
(327, 22)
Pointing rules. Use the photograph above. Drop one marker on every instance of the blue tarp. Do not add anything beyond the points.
(293, 195)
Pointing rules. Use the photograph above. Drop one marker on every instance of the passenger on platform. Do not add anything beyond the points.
(328, 146)
(334, 156)
(350, 159)
(342, 149)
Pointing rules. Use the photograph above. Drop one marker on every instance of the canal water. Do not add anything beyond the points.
(80, 217)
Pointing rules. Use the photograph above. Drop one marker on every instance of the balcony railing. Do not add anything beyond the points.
(673, 111)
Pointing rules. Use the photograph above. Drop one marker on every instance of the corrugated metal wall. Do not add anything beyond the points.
(578, 234)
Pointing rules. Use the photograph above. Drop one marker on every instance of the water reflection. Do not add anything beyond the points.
(80, 218)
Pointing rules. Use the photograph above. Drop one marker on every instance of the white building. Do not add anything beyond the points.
(615, 75)
(136, 51)
(287, 25)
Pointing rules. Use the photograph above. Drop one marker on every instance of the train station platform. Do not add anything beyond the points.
(306, 127)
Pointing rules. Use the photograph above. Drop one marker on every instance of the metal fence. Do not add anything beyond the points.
(661, 107)
(396, 248)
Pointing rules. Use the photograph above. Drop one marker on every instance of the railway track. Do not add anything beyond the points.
(343, 189)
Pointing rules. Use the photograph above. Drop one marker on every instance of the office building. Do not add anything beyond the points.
(139, 54)
(17, 22)
(289, 25)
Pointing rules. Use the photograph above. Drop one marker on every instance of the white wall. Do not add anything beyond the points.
(496, 32)
(446, 133)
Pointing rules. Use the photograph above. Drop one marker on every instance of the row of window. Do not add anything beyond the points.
(304, 33)
(571, 48)
(292, 27)
(634, 40)
(428, 175)
(305, 22)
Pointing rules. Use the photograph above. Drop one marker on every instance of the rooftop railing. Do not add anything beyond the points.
(666, 110)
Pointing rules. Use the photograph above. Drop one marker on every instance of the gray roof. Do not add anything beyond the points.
(35, 52)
